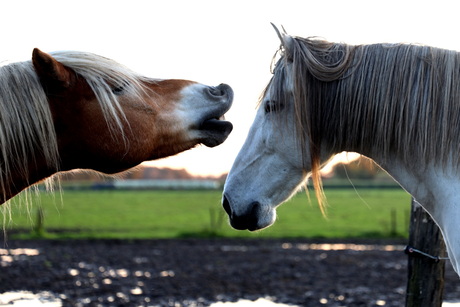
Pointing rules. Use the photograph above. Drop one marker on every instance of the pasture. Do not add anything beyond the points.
(365, 213)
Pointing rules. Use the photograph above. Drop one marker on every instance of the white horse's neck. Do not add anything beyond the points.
(437, 189)
(433, 186)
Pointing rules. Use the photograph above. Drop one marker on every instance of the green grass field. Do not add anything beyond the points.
(368, 213)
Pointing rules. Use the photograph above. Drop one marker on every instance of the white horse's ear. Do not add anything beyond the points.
(286, 40)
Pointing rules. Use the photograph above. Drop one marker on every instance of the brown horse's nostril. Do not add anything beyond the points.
(215, 91)
(221, 90)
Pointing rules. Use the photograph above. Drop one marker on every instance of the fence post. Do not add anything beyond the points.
(425, 283)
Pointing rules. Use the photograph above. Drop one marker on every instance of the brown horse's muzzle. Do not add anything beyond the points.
(214, 129)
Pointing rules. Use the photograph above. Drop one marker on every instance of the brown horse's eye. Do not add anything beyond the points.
(118, 90)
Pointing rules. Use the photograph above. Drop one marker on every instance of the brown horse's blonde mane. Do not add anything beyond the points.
(378, 100)
(103, 76)
(26, 124)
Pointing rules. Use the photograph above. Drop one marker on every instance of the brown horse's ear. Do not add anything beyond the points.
(53, 75)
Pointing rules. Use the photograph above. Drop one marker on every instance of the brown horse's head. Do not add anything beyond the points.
(109, 119)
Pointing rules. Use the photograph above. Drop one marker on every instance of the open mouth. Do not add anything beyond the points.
(215, 131)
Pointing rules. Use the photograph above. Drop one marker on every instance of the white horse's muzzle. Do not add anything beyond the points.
(255, 216)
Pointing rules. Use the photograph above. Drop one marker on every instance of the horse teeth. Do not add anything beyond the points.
(222, 117)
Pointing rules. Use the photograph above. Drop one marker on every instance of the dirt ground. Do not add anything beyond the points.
(197, 272)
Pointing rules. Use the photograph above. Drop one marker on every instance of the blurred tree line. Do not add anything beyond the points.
(362, 168)
(140, 172)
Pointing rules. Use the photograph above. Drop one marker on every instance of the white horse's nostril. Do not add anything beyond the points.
(226, 205)
(249, 220)
(255, 208)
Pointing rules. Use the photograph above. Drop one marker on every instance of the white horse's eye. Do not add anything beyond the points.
(273, 106)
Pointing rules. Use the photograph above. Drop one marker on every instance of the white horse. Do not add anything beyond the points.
(396, 104)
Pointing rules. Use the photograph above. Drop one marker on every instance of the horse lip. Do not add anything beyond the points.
(215, 131)
(245, 226)
(238, 226)
(214, 124)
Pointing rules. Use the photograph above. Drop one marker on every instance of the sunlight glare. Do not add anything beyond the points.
(341, 158)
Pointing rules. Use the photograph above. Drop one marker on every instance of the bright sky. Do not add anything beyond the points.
(215, 42)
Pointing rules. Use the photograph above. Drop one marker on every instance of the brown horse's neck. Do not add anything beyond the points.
(20, 180)
(39, 171)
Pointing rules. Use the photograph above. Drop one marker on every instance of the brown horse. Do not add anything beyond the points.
(75, 110)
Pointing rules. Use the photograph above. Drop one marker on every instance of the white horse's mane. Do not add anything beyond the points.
(26, 124)
(378, 99)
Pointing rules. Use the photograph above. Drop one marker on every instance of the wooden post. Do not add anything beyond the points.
(426, 275)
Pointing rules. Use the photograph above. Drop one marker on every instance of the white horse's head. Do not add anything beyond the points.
(267, 170)
(278, 154)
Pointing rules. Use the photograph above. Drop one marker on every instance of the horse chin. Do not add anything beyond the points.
(214, 131)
